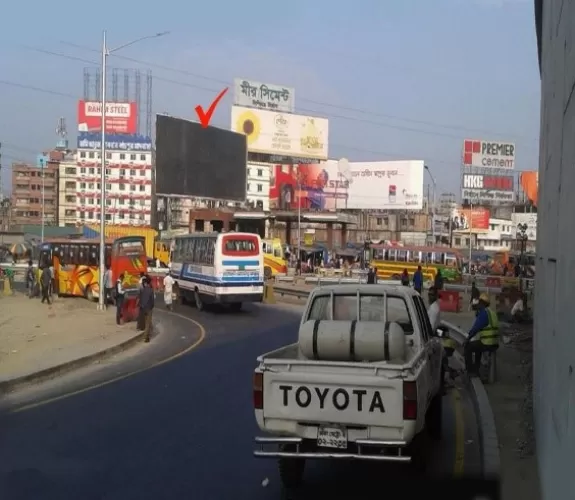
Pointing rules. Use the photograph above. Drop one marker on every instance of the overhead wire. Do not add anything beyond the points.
(319, 103)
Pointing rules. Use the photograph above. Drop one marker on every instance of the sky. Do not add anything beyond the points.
(398, 80)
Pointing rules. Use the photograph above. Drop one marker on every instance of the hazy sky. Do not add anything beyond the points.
(401, 79)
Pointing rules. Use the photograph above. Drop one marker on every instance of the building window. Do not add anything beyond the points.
(248, 187)
(70, 170)
(108, 156)
(260, 172)
(122, 171)
(122, 156)
(91, 154)
(132, 188)
(82, 154)
(132, 172)
(122, 187)
(142, 157)
(83, 170)
(108, 187)
(92, 171)
(142, 173)
(142, 188)
(378, 221)
(260, 188)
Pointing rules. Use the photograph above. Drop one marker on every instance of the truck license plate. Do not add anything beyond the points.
(332, 437)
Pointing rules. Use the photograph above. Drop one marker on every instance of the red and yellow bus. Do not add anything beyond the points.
(76, 263)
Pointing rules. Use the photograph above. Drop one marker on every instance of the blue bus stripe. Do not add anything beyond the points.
(240, 262)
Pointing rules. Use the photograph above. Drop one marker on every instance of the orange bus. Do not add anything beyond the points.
(76, 263)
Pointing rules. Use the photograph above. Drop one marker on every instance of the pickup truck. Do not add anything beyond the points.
(363, 382)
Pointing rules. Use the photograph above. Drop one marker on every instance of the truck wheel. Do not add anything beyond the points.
(198, 299)
(418, 452)
(291, 471)
(434, 417)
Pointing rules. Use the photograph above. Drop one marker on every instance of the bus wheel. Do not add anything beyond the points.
(90, 295)
(198, 299)
(268, 272)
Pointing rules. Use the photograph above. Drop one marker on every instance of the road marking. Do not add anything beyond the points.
(459, 463)
(125, 375)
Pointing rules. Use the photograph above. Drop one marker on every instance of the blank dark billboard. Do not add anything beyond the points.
(194, 161)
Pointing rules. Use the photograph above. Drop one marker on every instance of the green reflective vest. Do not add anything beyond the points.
(490, 334)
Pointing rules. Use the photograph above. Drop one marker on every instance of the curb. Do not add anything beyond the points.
(490, 459)
(487, 431)
(61, 369)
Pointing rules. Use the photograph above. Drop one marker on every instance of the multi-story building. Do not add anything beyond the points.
(258, 185)
(128, 186)
(34, 187)
(67, 198)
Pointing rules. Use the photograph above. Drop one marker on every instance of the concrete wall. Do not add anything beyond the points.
(554, 391)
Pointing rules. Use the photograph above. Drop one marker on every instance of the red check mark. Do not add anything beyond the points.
(205, 117)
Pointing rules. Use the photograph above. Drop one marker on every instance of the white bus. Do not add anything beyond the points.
(223, 268)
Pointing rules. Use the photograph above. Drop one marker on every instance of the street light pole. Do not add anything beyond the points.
(298, 218)
(105, 53)
(433, 203)
(42, 165)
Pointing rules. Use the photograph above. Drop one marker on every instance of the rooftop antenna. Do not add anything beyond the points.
(62, 133)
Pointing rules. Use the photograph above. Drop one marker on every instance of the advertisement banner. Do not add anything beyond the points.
(114, 142)
(487, 188)
(475, 220)
(530, 220)
(530, 184)
(385, 185)
(252, 94)
(121, 117)
(488, 154)
(280, 133)
(484, 196)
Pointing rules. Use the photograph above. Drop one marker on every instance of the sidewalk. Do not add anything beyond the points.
(511, 399)
(35, 337)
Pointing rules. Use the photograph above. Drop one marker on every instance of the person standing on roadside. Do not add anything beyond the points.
(418, 280)
(108, 285)
(45, 283)
(405, 278)
(31, 280)
(438, 283)
(120, 293)
(146, 307)
(168, 290)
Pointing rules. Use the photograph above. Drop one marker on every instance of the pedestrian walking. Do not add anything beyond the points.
(168, 290)
(146, 308)
(45, 282)
(120, 294)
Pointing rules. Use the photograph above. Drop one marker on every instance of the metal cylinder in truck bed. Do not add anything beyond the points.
(331, 340)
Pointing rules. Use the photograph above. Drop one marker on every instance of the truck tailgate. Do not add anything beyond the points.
(354, 399)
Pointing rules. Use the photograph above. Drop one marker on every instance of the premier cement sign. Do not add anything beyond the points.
(488, 154)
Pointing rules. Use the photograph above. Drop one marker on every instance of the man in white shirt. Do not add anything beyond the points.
(433, 310)
(168, 289)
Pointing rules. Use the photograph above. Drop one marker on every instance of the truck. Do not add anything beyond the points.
(363, 382)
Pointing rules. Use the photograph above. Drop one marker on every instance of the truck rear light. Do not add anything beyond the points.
(258, 391)
(409, 401)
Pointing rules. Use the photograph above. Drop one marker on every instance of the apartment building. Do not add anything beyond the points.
(34, 187)
(67, 198)
(258, 185)
(128, 186)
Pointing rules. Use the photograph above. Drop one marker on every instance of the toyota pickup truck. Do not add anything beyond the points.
(363, 382)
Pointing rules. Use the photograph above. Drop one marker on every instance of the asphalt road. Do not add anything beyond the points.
(185, 429)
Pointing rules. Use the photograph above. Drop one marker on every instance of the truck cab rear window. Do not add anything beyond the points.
(240, 246)
(344, 308)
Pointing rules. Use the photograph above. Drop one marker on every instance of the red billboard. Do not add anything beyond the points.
(473, 220)
(121, 117)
